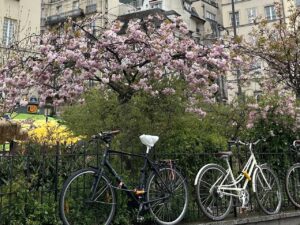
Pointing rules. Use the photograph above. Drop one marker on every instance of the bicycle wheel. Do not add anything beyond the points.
(268, 193)
(292, 184)
(214, 205)
(77, 208)
(167, 194)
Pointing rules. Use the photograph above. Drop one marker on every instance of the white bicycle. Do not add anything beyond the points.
(216, 186)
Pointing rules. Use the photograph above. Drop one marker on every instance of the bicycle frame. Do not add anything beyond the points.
(250, 170)
(148, 163)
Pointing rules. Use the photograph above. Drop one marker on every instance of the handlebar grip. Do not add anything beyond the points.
(96, 136)
(232, 142)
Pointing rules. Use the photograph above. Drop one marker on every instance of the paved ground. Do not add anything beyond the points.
(284, 218)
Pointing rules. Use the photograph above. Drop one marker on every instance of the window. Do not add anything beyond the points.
(257, 94)
(93, 27)
(270, 12)
(255, 65)
(9, 29)
(59, 9)
(210, 15)
(91, 6)
(251, 15)
(90, 2)
(237, 18)
(75, 5)
(157, 5)
(187, 6)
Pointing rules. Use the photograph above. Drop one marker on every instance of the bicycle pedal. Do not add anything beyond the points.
(140, 219)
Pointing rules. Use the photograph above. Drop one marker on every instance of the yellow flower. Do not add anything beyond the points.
(51, 133)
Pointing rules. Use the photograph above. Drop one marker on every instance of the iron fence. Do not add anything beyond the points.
(31, 176)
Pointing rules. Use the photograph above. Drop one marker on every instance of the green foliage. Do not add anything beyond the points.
(26, 206)
(160, 115)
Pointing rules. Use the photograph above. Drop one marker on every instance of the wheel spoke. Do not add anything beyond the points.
(268, 191)
(214, 206)
(293, 185)
(167, 195)
(78, 208)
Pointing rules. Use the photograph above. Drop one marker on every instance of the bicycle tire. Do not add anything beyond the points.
(292, 184)
(172, 179)
(274, 195)
(213, 210)
(78, 196)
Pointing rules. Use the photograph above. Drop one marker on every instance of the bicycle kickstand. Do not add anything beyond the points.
(140, 218)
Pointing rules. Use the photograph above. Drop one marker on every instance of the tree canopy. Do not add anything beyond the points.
(278, 45)
(150, 55)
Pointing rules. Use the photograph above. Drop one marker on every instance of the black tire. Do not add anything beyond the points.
(75, 205)
(213, 205)
(269, 200)
(292, 184)
(170, 185)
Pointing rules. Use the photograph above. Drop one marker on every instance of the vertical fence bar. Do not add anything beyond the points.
(42, 152)
(56, 170)
(231, 164)
(84, 157)
(192, 156)
(10, 185)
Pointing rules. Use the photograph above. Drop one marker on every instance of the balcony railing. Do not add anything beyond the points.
(211, 2)
(51, 20)
(91, 8)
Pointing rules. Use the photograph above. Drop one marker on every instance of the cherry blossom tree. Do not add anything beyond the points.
(149, 56)
(278, 45)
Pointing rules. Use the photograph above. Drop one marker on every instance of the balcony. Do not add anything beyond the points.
(211, 2)
(91, 9)
(51, 20)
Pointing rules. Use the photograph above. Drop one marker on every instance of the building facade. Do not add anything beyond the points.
(247, 12)
(203, 17)
(56, 11)
(18, 19)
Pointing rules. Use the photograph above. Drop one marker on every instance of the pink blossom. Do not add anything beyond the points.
(105, 80)
(168, 91)
(214, 88)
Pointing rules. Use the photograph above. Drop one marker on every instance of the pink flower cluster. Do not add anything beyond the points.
(126, 63)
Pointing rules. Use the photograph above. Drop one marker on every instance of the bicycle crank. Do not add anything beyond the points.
(244, 198)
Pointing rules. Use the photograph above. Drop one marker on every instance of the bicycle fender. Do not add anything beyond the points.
(198, 174)
(254, 176)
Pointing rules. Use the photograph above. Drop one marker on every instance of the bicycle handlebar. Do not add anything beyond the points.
(235, 142)
(104, 135)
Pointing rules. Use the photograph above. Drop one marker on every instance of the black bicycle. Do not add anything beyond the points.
(88, 195)
(292, 182)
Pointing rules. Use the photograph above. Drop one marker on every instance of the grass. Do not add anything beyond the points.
(24, 116)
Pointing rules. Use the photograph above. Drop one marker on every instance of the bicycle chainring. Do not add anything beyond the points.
(244, 197)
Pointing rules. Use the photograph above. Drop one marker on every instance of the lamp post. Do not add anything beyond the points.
(47, 111)
(238, 72)
(48, 108)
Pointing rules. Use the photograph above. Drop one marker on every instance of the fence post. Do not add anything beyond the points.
(56, 170)
(231, 164)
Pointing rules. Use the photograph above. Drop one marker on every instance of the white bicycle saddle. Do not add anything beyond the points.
(149, 140)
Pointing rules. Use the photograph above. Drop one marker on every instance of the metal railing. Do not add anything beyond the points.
(36, 173)
(63, 16)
